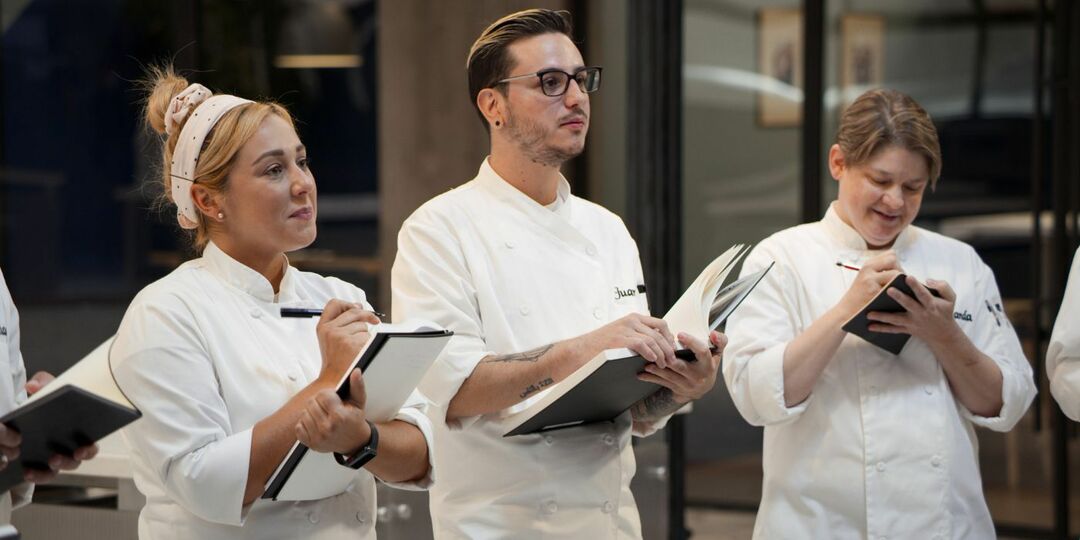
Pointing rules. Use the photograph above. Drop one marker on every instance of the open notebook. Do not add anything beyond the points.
(80, 407)
(393, 361)
(607, 385)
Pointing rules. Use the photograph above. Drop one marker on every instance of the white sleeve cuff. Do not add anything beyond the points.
(1017, 392)
(1065, 387)
(210, 482)
(21, 495)
(421, 421)
(444, 379)
(766, 387)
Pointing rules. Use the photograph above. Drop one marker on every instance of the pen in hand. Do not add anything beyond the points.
(299, 313)
(848, 266)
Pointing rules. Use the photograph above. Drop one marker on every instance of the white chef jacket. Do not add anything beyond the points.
(508, 275)
(881, 448)
(12, 387)
(1063, 355)
(205, 354)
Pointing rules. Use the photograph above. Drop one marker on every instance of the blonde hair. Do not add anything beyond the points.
(882, 117)
(224, 141)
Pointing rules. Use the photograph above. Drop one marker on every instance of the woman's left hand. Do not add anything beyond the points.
(928, 317)
(330, 424)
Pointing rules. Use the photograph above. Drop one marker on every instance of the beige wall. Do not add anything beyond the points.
(430, 138)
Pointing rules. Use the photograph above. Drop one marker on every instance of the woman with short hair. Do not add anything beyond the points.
(861, 442)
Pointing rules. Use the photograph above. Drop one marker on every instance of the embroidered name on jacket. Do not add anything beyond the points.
(3, 330)
(623, 293)
(964, 316)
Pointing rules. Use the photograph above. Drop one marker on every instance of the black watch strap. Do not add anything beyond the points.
(363, 455)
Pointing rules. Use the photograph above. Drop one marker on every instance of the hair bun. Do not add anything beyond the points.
(162, 84)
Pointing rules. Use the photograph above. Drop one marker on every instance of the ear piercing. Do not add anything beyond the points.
(220, 215)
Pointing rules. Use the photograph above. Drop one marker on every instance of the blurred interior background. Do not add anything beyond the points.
(710, 129)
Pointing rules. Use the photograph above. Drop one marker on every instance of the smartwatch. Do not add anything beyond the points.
(363, 455)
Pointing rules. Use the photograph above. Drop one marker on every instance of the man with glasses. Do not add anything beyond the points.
(534, 282)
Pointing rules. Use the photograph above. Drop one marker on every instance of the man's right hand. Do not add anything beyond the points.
(874, 275)
(645, 335)
(342, 331)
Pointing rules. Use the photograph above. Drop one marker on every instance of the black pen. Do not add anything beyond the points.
(300, 313)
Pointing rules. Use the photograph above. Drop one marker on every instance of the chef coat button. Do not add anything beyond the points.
(598, 313)
(255, 312)
(608, 507)
(590, 250)
(609, 439)
(549, 440)
(313, 517)
(935, 461)
(510, 244)
(550, 507)
(360, 517)
(524, 310)
(929, 390)
(881, 466)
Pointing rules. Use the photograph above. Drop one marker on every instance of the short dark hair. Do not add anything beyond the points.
(489, 59)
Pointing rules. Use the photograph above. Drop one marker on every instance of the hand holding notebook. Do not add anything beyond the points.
(608, 385)
(883, 302)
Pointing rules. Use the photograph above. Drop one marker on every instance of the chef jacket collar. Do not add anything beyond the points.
(852, 242)
(246, 279)
(497, 184)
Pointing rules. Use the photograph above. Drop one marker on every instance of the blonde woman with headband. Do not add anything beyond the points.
(225, 384)
(860, 442)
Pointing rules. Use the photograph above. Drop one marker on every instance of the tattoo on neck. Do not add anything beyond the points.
(656, 406)
(534, 388)
(527, 356)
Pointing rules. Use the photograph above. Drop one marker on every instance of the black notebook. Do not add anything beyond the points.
(859, 323)
(602, 396)
(79, 408)
(607, 385)
(393, 361)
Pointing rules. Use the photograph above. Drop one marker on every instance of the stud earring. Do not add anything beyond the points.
(498, 123)
(220, 215)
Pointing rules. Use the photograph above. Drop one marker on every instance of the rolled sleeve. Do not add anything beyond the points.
(995, 337)
(415, 412)
(432, 281)
(185, 436)
(758, 333)
(1063, 355)
(644, 429)
(22, 495)
(1065, 386)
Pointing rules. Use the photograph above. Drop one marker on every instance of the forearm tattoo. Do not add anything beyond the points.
(656, 406)
(534, 388)
(527, 356)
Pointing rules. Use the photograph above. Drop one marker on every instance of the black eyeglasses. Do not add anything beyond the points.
(555, 82)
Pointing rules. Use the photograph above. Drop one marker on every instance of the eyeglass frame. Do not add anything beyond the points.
(569, 77)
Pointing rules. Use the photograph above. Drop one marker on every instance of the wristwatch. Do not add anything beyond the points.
(363, 455)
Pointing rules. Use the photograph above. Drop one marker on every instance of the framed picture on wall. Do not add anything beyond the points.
(862, 54)
(780, 64)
